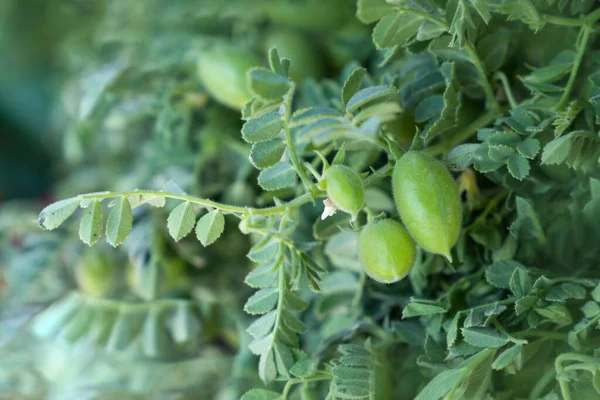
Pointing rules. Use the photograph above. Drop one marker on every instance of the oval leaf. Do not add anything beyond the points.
(262, 301)
(484, 337)
(119, 222)
(181, 220)
(210, 227)
(279, 176)
(266, 154)
(267, 84)
(264, 127)
(90, 227)
(367, 95)
(56, 213)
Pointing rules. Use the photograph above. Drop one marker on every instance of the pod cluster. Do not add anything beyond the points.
(428, 202)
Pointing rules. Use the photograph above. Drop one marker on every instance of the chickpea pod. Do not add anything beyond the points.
(345, 189)
(386, 251)
(222, 71)
(428, 202)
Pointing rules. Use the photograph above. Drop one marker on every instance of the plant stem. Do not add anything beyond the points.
(490, 100)
(543, 334)
(563, 21)
(323, 376)
(377, 174)
(558, 365)
(536, 393)
(501, 302)
(582, 45)
(303, 199)
(501, 76)
(358, 295)
(289, 140)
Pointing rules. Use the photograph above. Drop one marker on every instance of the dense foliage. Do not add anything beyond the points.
(228, 160)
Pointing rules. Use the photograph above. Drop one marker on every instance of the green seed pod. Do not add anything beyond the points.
(95, 274)
(386, 251)
(428, 201)
(308, 15)
(222, 70)
(345, 189)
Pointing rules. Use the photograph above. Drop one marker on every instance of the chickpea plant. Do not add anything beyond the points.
(417, 219)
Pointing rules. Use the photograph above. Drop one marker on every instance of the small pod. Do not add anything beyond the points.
(95, 274)
(222, 71)
(428, 202)
(345, 189)
(386, 251)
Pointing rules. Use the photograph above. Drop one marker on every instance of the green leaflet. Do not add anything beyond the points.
(55, 214)
(262, 128)
(90, 227)
(119, 222)
(181, 221)
(278, 176)
(266, 154)
(210, 227)
(267, 84)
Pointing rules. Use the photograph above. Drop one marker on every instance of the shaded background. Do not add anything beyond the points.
(103, 95)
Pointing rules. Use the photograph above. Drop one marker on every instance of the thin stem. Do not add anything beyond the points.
(491, 103)
(377, 175)
(501, 302)
(323, 376)
(281, 285)
(558, 365)
(543, 334)
(303, 199)
(358, 295)
(563, 21)
(491, 205)
(501, 76)
(537, 390)
(463, 135)
(289, 140)
(582, 45)
(590, 367)
(512, 338)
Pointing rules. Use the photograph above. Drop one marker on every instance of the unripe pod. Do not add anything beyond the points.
(428, 201)
(222, 70)
(386, 251)
(345, 189)
(95, 274)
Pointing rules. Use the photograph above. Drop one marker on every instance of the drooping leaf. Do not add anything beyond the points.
(181, 220)
(90, 227)
(210, 227)
(55, 214)
(119, 222)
